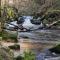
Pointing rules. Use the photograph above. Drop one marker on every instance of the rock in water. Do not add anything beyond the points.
(6, 54)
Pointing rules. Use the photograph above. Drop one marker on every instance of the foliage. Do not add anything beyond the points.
(57, 5)
(19, 58)
(0, 34)
(29, 55)
(9, 12)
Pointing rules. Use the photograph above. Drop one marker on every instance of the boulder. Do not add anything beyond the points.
(6, 54)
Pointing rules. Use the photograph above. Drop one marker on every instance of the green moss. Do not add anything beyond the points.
(6, 36)
(0, 34)
(15, 47)
(56, 49)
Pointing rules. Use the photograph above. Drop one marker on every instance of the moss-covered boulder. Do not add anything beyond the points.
(56, 49)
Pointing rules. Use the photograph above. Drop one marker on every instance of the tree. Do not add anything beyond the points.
(0, 8)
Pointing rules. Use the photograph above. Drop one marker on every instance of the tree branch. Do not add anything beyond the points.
(50, 25)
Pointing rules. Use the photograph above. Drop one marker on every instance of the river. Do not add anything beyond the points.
(41, 35)
(39, 40)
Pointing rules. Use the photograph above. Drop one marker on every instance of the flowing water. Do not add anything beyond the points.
(40, 40)
(41, 35)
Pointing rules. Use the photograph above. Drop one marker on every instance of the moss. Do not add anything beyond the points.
(15, 47)
(56, 49)
(13, 37)
(0, 34)
(6, 36)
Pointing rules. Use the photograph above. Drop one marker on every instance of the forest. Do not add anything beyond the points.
(29, 29)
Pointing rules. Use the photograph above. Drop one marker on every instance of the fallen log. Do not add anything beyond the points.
(50, 25)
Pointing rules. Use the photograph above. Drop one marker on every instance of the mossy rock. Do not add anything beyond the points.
(56, 49)
(6, 54)
(15, 47)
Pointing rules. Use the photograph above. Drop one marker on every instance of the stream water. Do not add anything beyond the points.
(42, 36)
(46, 36)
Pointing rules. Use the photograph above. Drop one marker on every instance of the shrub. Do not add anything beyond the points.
(29, 55)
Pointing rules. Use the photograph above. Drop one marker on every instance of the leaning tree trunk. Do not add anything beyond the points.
(50, 25)
(3, 18)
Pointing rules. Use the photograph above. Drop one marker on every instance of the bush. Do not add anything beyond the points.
(29, 55)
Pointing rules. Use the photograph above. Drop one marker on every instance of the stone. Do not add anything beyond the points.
(6, 53)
